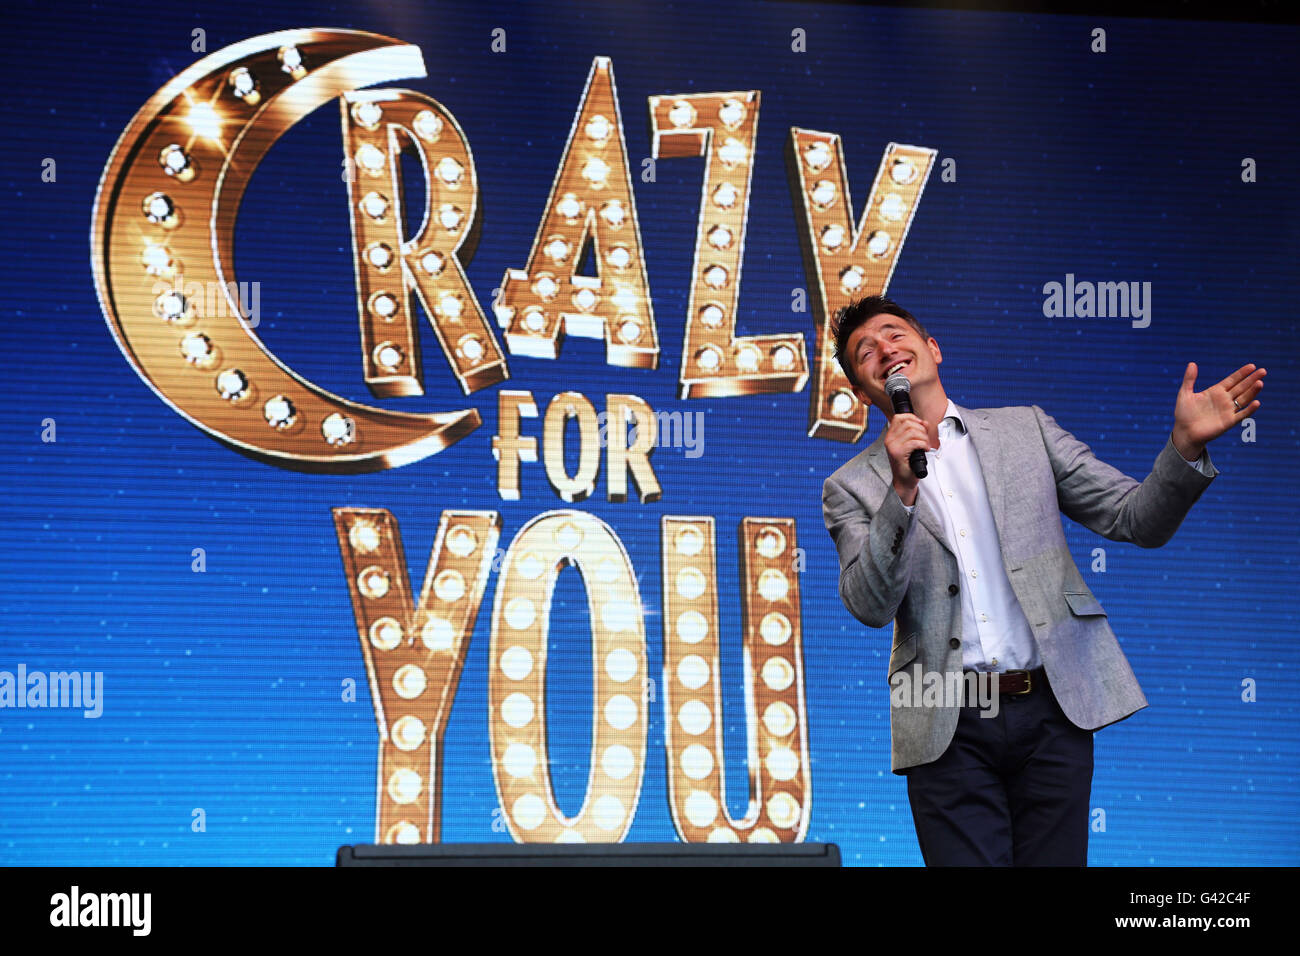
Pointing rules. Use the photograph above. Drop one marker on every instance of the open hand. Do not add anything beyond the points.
(1201, 417)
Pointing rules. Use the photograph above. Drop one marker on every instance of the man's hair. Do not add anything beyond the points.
(858, 313)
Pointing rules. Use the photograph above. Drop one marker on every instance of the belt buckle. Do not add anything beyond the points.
(1029, 682)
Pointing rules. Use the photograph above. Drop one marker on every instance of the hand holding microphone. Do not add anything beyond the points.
(906, 440)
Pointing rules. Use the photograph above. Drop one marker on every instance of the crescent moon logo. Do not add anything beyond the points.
(166, 207)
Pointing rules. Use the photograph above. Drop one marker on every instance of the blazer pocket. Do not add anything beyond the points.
(903, 653)
(1083, 604)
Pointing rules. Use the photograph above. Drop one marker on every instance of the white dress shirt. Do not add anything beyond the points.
(996, 635)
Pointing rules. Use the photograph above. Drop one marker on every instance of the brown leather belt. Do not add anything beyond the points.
(1016, 683)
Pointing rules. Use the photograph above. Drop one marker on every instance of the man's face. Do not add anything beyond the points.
(881, 344)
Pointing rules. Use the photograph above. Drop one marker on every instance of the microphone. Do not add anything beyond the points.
(899, 390)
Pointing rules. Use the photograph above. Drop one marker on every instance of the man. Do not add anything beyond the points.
(972, 567)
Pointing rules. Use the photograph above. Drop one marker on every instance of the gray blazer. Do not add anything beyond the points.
(899, 567)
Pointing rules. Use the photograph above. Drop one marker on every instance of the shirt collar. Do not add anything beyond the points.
(953, 412)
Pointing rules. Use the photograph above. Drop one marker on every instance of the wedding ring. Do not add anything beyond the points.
(1235, 405)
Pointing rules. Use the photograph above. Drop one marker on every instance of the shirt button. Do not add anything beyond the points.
(995, 662)
(974, 573)
(962, 532)
(985, 617)
(948, 493)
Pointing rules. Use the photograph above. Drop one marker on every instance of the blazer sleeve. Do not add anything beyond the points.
(875, 552)
(1105, 500)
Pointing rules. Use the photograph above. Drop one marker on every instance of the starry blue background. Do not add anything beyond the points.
(223, 688)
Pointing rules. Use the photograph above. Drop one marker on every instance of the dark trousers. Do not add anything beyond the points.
(1010, 790)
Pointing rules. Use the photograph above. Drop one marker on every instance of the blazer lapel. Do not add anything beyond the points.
(879, 459)
(992, 453)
